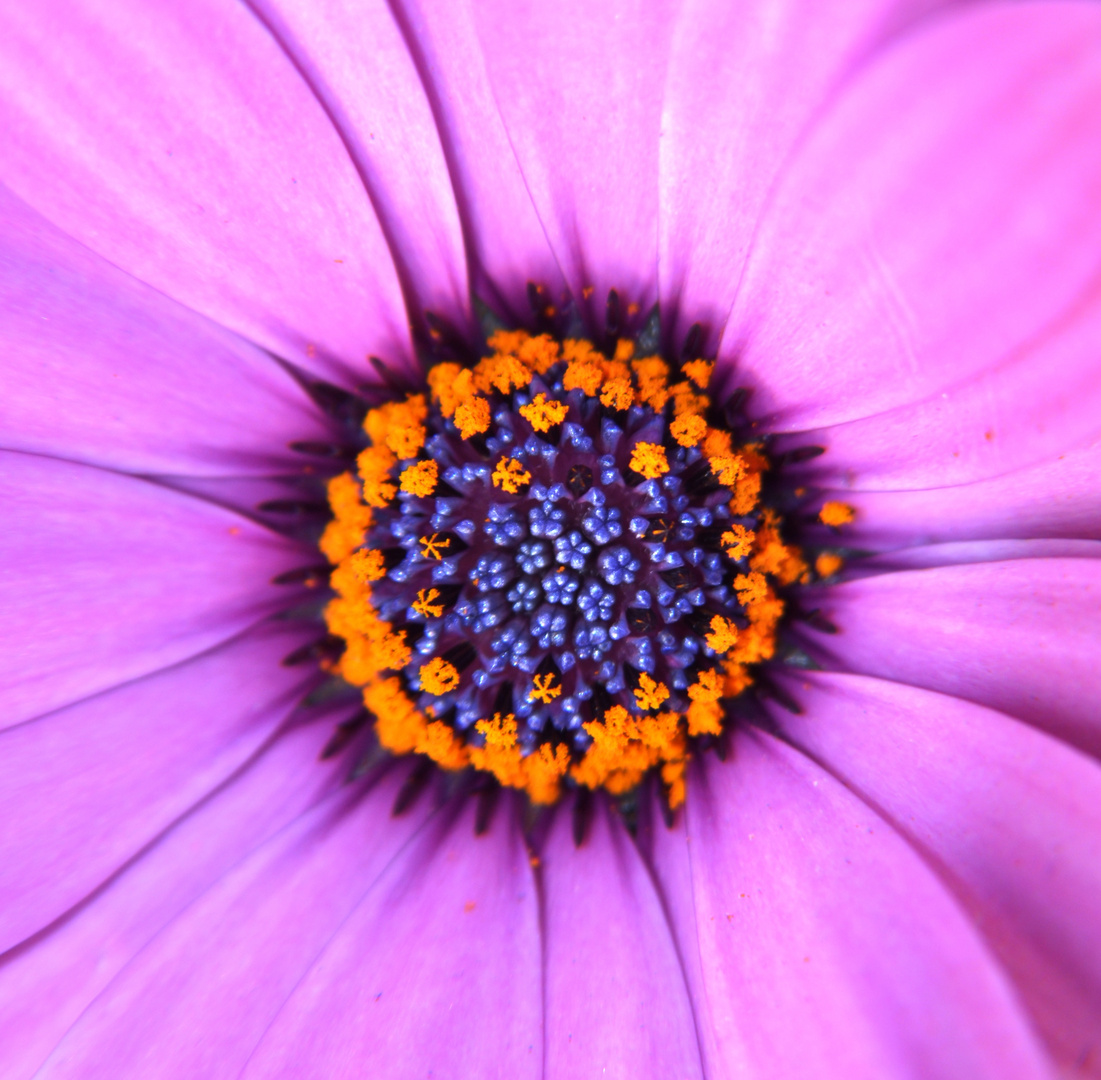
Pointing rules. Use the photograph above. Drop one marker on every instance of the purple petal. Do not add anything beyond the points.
(354, 59)
(100, 368)
(1044, 400)
(180, 143)
(1060, 498)
(203, 992)
(106, 578)
(1018, 636)
(616, 1000)
(1012, 818)
(47, 984)
(505, 239)
(940, 219)
(821, 944)
(84, 789)
(744, 82)
(579, 87)
(436, 972)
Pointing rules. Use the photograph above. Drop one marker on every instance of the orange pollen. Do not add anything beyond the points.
(618, 393)
(510, 475)
(688, 429)
(544, 689)
(699, 371)
(836, 514)
(423, 604)
(827, 564)
(738, 542)
(751, 588)
(438, 676)
(649, 460)
(723, 636)
(368, 565)
(650, 694)
(543, 414)
(420, 479)
(729, 468)
(432, 547)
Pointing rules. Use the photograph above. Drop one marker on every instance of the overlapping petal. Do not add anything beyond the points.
(199, 997)
(616, 1000)
(179, 142)
(820, 943)
(86, 788)
(920, 239)
(437, 970)
(1009, 816)
(103, 369)
(1019, 636)
(106, 578)
(48, 983)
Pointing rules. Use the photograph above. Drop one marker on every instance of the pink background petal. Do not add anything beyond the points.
(1009, 816)
(84, 789)
(101, 368)
(354, 59)
(824, 946)
(198, 998)
(1019, 636)
(579, 86)
(506, 243)
(616, 1000)
(921, 238)
(436, 972)
(744, 82)
(47, 983)
(178, 141)
(105, 578)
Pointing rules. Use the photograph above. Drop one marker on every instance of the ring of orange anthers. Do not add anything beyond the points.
(553, 566)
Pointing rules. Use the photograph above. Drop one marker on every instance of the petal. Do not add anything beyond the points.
(353, 57)
(745, 80)
(179, 142)
(826, 947)
(437, 971)
(579, 87)
(84, 789)
(1019, 636)
(103, 369)
(1012, 818)
(1059, 498)
(610, 961)
(506, 243)
(202, 993)
(106, 578)
(939, 220)
(47, 984)
(1045, 400)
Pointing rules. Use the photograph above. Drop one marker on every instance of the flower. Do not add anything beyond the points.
(884, 217)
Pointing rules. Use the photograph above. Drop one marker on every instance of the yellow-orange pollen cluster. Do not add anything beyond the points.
(624, 747)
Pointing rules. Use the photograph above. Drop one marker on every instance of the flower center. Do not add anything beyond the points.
(554, 565)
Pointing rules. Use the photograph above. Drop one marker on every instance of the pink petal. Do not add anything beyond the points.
(353, 57)
(505, 240)
(579, 87)
(436, 972)
(1059, 498)
(1045, 399)
(202, 993)
(1012, 818)
(616, 1001)
(47, 984)
(744, 82)
(83, 790)
(100, 368)
(938, 222)
(179, 142)
(106, 578)
(823, 946)
(1018, 636)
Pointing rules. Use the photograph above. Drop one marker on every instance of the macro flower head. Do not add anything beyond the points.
(550, 540)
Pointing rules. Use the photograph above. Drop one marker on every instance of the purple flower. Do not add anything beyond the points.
(884, 213)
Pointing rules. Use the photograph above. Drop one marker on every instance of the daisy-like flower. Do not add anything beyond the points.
(550, 540)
